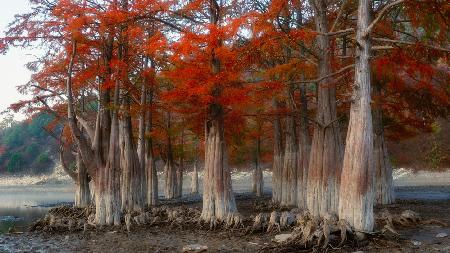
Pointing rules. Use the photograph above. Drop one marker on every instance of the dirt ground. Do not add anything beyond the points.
(172, 239)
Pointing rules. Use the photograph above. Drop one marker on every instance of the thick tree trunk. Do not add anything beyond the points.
(170, 171)
(80, 178)
(384, 187)
(258, 182)
(324, 168)
(304, 150)
(133, 175)
(356, 192)
(218, 197)
(290, 161)
(82, 192)
(194, 179)
(107, 182)
(277, 165)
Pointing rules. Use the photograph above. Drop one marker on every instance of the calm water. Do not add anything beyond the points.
(20, 205)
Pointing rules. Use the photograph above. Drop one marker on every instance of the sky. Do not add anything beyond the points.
(12, 65)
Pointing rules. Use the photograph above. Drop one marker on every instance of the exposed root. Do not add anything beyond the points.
(407, 218)
(287, 219)
(260, 222)
(274, 222)
(64, 218)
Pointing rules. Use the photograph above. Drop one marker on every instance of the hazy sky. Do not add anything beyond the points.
(12, 69)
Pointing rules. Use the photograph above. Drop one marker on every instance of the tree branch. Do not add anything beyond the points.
(410, 43)
(341, 10)
(325, 77)
(380, 15)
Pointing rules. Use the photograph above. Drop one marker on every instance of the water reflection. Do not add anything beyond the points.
(20, 205)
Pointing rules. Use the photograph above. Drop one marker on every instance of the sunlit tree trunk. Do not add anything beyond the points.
(356, 192)
(277, 165)
(304, 150)
(170, 171)
(324, 168)
(218, 197)
(384, 187)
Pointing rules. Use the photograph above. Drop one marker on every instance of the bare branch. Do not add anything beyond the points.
(411, 43)
(341, 10)
(351, 66)
(380, 15)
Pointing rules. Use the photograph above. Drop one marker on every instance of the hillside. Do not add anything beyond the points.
(25, 147)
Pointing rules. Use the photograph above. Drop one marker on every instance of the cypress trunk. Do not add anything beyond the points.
(324, 168)
(357, 193)
(107, 185)
(133, 174)
(170, 171)
(80, 178)
(180, 168)
(150, 166)
(218, 197)
(290, 161)
(384, 186)
(304, 150)
(277, 165)
(82, 192)
(258, 182)
(194, 179)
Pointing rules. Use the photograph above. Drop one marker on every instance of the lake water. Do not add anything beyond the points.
(20, 205)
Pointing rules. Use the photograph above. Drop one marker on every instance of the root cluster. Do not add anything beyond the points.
(304, 230)
(65, 218)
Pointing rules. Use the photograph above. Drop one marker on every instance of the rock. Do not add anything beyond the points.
(194, 248)
(446, 249)
(416, 243)
(441, 235)
(282, 237)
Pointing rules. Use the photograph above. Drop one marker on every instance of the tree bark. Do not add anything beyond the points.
(82, 192)
(290, 161)
(133, 174)
(107, 188)
(304, 150)
(170, 171)
(356, 192)
(194, 180)
(384, 187)
(152, 176)
(277, 165)
(326, 150)
(258, 182)
(80, 178)
(218, 197)
(180, 168)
